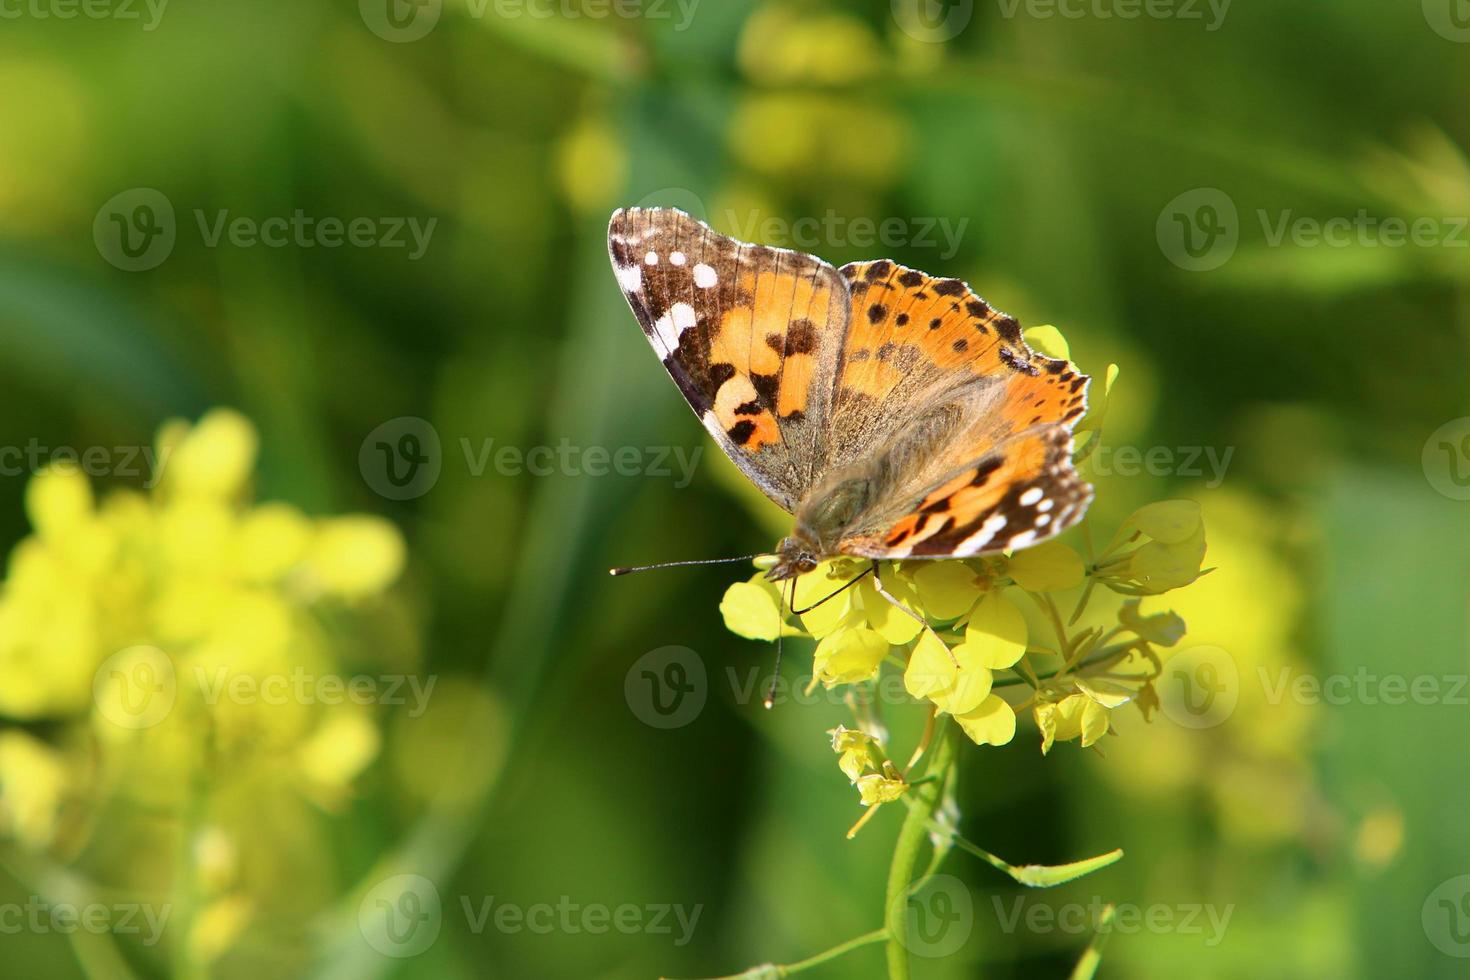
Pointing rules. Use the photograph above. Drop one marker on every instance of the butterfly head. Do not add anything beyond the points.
(795, 556)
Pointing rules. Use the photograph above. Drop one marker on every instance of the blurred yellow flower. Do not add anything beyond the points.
(180, 634)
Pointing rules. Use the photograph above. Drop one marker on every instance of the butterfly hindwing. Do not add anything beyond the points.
(1018, 493)
(750, 334)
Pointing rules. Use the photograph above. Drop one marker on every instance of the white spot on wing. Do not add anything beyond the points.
(1031, 496)
(681, 317)
(982, 537)
(1046, 505)
(651, 258)
(705, 276)
(677, 258)
(630, 278)
(1022, 540)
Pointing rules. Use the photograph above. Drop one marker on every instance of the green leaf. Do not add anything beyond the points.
(1047, 876)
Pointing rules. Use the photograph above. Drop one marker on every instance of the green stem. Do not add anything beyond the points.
(910, 842)
(1097, 658)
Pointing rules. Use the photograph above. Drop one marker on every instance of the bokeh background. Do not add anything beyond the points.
(1147, 178)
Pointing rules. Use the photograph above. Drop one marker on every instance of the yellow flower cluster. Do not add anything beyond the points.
(161, 639)
(972, 630)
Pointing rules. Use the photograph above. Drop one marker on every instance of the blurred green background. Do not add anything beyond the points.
(1147, 178)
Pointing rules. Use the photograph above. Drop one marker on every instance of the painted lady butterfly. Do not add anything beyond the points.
(894, 414)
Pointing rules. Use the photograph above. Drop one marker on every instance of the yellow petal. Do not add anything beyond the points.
(996, 634)
(58, 499)
(946, 589)
(215, 457)
(1046, 723)
(897, 626)
(1105, 693)
(875, 788)
(356, 556)
(1049, 341)
(930, 668)
(813, 588)
(1169, 521)
(1047, 567)
(992, 723)
(750, 610)
(849, 656)
(1159, 566)
(1094, 722)
(970, 689)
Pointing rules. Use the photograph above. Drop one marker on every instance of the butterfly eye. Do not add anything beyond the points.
(806, 563)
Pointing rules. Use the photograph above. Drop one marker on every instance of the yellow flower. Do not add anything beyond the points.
(1170, 557)
(875, 788)
(33, 780)
(180, 627)
(856, 750)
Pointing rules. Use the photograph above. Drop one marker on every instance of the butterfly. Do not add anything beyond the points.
(894, 414)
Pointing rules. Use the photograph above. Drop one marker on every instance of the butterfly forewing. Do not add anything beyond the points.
(814, 380)
(750, 334)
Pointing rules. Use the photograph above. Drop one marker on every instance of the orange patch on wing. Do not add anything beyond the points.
(748, 424)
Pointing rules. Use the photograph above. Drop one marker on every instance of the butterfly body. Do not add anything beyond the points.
(894, 414)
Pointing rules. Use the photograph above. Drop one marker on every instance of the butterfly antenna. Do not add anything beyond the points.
(770, 701)
(681, 564)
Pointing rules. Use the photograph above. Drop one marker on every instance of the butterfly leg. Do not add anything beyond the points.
(878, 584)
